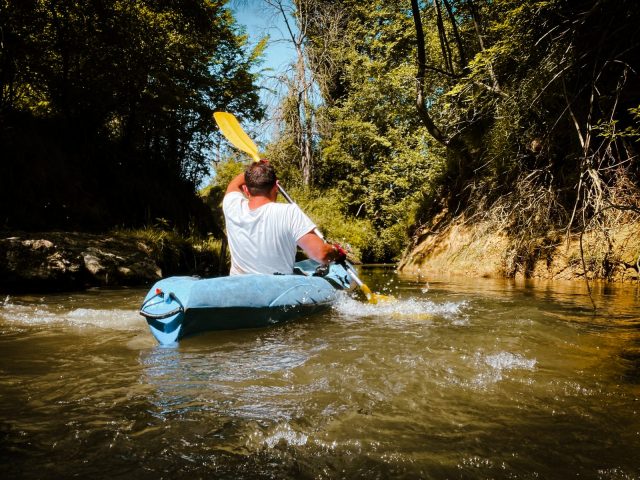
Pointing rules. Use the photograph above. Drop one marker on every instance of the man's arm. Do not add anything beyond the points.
(319, 250)
(236, 184)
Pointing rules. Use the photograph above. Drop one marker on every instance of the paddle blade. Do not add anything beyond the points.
(375, 298)
(231, 129)
(371, 297)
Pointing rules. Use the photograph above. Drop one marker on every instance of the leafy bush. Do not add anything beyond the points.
(327, 210)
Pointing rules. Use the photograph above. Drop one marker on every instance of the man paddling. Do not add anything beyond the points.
(263, 235)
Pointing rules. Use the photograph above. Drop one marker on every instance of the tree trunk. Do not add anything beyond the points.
(420, 102)
(303, 121)
(456, 34)
(444, 42)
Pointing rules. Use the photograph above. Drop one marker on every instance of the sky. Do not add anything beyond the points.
(259, 20)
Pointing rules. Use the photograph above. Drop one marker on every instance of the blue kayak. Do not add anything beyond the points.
(176, 307)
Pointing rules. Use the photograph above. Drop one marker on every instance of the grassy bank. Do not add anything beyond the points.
(181, 254)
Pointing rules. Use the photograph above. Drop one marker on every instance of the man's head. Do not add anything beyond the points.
(260, 178)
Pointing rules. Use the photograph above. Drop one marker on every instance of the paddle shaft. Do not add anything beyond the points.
(348, 267)
(289, 199)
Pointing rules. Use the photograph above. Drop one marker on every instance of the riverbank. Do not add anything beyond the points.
(479, 249)
(56, 261)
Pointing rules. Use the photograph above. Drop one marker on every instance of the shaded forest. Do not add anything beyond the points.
(105, 110)
(398, 116)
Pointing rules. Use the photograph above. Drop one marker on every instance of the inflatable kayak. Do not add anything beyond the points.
(176, 307)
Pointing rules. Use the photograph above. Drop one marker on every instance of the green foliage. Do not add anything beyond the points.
(538, 98)
(540, 85)
(282, 154)
(373, 147)
(258, 51)
(226, 171)
(326, 209)
(111, 103)
(610, 129)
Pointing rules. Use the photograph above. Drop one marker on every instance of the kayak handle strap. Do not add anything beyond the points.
(160, 316)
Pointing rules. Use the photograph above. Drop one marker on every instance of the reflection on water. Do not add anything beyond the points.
(458, 379)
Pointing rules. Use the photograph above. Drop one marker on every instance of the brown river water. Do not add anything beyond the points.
(461, 378)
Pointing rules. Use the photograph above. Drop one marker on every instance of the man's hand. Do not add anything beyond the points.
(236, 184)
(321, 251)
(339, 253)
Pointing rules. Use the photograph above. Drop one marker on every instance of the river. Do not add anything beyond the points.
(460, 378)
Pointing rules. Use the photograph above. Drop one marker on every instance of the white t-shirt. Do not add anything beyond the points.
(263, 240)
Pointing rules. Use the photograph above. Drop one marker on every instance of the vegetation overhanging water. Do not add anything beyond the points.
(525, 122)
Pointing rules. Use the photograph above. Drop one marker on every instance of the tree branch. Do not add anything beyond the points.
(453, 143)
(420, 103)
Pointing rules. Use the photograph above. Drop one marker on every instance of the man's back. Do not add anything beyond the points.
(264, 239)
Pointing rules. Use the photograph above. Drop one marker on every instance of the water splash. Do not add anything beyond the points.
(40, 314)
(508, 361)
(499, 364)
(409, 308)
(284, 433)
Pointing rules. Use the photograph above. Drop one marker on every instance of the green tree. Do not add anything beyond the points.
(519, 110)
(105, 108)
(372, 146)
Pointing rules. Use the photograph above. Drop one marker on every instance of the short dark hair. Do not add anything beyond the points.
(260, 177)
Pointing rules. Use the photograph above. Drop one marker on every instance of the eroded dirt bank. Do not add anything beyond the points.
(480, 249)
